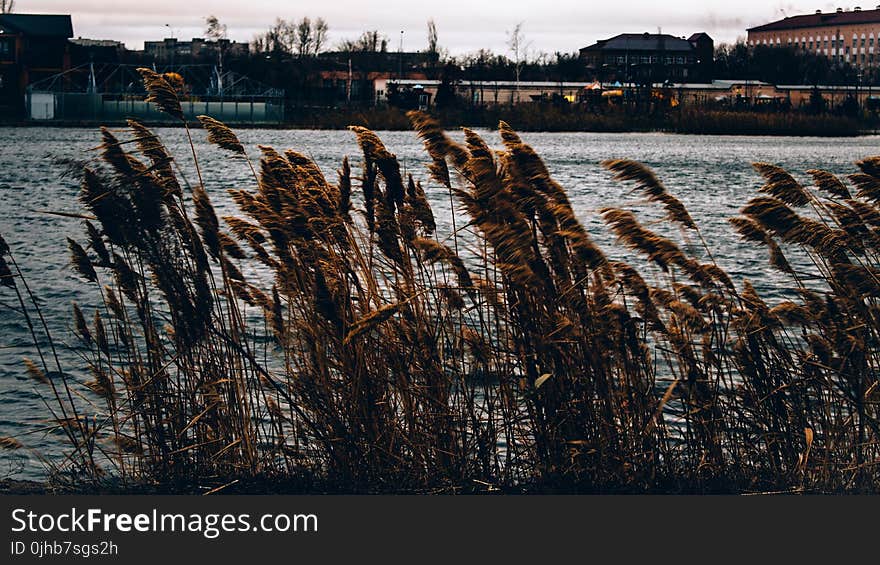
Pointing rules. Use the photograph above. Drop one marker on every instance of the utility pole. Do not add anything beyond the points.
(858, 86)
(400, 58)
(348, 85)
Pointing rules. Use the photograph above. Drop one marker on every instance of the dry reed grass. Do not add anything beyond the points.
(383, 356)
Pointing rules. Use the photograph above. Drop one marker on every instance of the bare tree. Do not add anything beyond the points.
(258, 43)
(319, 35)
(6, 6)
(304, 37)
(280, 38)
(432, 40)
(214, 29)
(519, 47)
(368, 42)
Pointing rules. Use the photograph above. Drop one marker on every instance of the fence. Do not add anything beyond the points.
(86, 107)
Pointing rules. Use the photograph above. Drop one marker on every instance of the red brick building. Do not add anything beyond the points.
(843, 36)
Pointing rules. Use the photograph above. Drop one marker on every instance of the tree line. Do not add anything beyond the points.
(306, 38)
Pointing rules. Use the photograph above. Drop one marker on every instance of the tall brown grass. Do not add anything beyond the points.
(368, 352)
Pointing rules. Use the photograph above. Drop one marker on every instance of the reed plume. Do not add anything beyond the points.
(161, 93)
(220, 135)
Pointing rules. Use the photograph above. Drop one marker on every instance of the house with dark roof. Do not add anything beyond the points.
(842, 36)
(651, 57)
(32, 47)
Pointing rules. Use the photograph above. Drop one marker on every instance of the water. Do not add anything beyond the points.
(710, 174)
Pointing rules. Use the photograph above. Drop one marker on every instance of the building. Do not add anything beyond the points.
(647, 57)
(481, 93)
(173, 51)
(843, 36)
(386, 61)
(32, 47)
(96, 51)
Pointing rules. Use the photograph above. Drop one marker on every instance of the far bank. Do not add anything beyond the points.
(549, 118)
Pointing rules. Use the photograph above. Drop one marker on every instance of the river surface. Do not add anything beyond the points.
(712, 175)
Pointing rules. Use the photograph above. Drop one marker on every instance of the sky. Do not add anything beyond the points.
(463, 26)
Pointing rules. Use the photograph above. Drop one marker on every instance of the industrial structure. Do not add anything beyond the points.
(45, 75)
(114, 92)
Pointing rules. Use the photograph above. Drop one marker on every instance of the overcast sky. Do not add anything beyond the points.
(463, 25)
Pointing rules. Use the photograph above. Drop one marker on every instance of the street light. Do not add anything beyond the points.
(858, 85)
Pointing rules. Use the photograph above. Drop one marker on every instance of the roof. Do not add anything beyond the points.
(699, 35)
(84, 42)
(39, 25)
(524, 85)
(822, 20)
(643, 42)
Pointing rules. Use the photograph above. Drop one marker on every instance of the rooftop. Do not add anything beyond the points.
(85, 42)
(643, 42)
(821, 20)
(38, 25)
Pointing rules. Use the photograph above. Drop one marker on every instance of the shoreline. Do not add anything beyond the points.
(547, 119)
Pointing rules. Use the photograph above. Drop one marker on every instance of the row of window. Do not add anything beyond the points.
(841, 49)
(645, 59)
(863, 58)
(820, 43)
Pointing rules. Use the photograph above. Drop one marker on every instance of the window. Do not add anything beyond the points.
(679, 60)
(644, 59)
(620, 60)
(653, 58)
(6, 49)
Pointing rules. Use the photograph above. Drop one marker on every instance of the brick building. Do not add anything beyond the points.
(174, 51)
(842, 36)
(32, 47)
(651, 57)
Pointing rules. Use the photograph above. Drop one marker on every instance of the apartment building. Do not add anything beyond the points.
(171, 50)
(843, 35)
